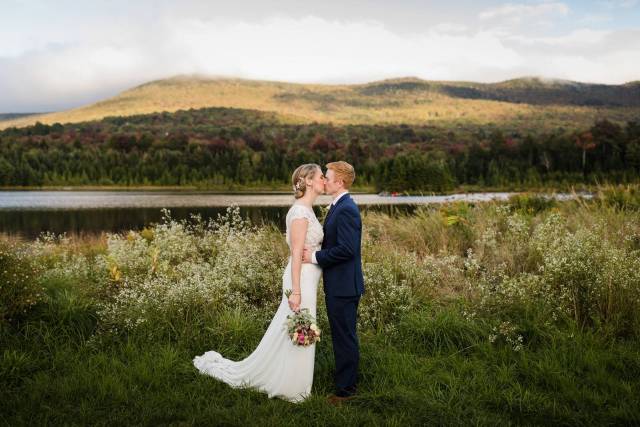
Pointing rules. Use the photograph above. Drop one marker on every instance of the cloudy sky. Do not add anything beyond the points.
(60, 54)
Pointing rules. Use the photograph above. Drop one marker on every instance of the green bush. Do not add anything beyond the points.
(531, 204)
(590, 278)
(19, 289)
(177, 271)
(621, 197)
(582, 275)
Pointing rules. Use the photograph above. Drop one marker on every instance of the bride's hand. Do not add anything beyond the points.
(294, 302)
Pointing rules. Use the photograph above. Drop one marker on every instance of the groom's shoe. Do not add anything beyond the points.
(342, 395)
(338, 400)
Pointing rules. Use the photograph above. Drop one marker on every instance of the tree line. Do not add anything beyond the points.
(223, 148)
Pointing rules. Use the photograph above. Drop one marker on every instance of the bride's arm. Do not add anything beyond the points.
(298, 234)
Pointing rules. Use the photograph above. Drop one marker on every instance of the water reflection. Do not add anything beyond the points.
(30, 223)
(28, 213)
(189, 199)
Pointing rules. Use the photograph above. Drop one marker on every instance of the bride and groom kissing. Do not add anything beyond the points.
(331, 250)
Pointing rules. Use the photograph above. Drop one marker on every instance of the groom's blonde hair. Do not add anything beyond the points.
(343, 171)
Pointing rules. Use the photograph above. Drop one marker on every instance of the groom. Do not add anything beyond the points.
(342, 275)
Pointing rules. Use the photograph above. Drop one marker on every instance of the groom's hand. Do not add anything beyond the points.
(306, 256)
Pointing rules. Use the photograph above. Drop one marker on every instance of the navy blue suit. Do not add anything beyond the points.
(341, 264)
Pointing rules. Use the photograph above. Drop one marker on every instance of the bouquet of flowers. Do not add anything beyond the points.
(302, 329)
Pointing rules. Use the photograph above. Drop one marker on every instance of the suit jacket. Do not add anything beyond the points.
(340, 256)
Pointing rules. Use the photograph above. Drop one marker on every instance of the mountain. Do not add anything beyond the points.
(537, 91)
(12, 116)
(525, 102)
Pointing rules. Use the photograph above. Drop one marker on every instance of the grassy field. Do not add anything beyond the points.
(518, 313)
(523, 105)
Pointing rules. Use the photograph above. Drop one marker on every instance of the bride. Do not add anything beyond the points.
(277, 366)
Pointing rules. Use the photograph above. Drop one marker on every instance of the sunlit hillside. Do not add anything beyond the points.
(527, 103)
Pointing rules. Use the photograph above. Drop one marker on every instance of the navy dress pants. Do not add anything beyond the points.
(341, 312)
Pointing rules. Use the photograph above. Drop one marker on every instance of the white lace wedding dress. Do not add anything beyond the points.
(277, 366)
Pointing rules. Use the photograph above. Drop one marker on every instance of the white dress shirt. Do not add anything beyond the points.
(335, 200)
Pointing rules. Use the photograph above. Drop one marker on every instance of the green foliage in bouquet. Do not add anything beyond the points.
(302, 328)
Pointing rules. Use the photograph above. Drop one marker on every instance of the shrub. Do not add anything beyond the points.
(531, 204)
(621, 197)
(177, 270)
(19, 288)
(580, 275)
(590, 278)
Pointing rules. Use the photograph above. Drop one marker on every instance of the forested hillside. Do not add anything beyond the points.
(230, 148)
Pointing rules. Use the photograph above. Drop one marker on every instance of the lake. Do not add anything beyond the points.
(28, 213)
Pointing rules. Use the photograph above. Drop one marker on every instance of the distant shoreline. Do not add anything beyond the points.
(284, 189)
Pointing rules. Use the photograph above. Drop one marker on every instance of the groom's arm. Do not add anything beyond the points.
(347, 241)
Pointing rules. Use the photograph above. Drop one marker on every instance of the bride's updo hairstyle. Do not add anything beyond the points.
(299, 176)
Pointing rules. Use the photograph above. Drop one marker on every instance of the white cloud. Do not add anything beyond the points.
(584, 55)
(574, 39)
(314, 49)
(112, 57)
(450, 27)
(516, 13)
